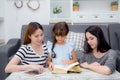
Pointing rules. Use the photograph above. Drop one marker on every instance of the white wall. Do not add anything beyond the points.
(119, 10)
(15, 18)
(2, 32)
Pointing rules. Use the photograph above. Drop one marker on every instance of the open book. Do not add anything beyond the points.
(72, 68)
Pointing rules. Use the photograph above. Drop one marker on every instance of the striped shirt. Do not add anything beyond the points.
(28, 56)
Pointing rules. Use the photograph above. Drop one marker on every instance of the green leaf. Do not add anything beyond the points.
(57, 10)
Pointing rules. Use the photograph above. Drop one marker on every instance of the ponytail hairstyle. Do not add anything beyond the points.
(59, 29)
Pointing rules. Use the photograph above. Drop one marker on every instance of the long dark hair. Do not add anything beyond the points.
(59, 29)
(102, 46)
(31, 28)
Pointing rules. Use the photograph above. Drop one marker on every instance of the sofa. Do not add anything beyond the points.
(8, 50)
(114, 37)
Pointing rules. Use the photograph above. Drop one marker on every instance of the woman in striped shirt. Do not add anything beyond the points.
(33, 53)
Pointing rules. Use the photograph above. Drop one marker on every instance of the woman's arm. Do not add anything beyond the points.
(107, 68)
(100, 69)
(13, 66)
(96, 67)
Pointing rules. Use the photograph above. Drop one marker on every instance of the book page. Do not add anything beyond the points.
(61, 67)
(66, 67)
(75, 69)
(72, 65)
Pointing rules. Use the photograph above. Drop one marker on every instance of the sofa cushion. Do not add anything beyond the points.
(118, 38)
(113, 28)
(77, 38)
(118, 61)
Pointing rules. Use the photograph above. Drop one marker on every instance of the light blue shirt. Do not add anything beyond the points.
(62, 52)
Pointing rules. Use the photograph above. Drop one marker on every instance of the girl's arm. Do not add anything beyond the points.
(74, 58)
(48, 59)
(49, 62)
(13, 66)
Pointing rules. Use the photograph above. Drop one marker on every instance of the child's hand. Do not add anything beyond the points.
(51, 66)
(66, 61)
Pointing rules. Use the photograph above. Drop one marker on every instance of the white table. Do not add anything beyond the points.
(85, 75)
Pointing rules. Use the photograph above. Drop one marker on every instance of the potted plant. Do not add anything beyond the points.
(114, 5)
(75, 6)
(57, 10)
